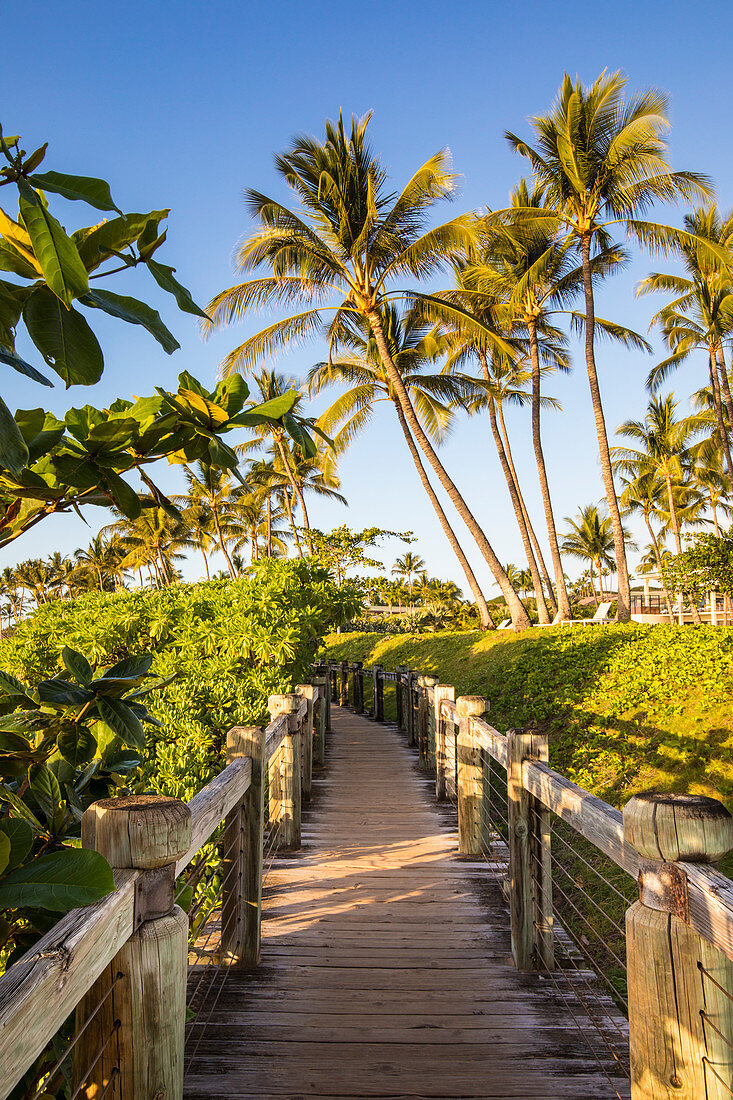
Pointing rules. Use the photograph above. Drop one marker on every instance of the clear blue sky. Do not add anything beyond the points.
(182, 104)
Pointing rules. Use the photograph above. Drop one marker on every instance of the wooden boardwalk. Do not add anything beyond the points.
(386, 965)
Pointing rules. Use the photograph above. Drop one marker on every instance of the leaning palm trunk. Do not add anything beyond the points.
(297, 491)
(674, 519)
(487, 623)
(623, 608)
(563, 603)
(717, 402)
(727, 400)
(542, 613)
(517, 610)
(539, 557)
(222, 544)
(291, 521)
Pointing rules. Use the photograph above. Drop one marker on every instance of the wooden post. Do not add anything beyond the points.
(284, 773)
(677, 1014)
(426, 716)
(358, 687)
(344, 691)
(241, 908)
(329, 696)
(379, 692)
(470, 780)
(442, 691)
(530, 869)
(399, 672)
(307, 691)
(321, 712)
(149, 833)
(411, 676)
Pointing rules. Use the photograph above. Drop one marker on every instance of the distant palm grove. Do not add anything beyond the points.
(344, 267)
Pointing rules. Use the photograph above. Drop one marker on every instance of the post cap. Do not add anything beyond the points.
(474, 705)
(283, 704)
(141, 831)
(429, 680)
(669, 827)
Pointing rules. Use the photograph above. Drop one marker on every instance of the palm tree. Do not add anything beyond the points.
(663, 447)
(601, 160)
(591, 539)
(497, 368)
(409, 566)
(151, 540)
(210, 489)
(646, 493)
(338, 254)
(199, 522)
(701, 313)
(412, 347)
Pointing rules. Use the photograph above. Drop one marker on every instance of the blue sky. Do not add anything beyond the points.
(183, 104)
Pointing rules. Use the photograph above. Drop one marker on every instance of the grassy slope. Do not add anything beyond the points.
(628, 708)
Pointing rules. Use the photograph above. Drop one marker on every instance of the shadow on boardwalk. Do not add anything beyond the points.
(386, 962)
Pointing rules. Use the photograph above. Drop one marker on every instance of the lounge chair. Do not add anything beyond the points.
(504, 625)
(555, 622)
(601, 617)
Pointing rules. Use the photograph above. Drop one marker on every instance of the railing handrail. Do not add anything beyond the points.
(64, 964)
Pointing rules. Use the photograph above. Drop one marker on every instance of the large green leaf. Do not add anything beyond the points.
(163, 276)
(57, 254)
(77, 665)
(62, 692)
(123, 495)
(98, 243)
(63, 338)
(11, 685)
(20, 838)
(87, 188)
(12, 298)
(134, 312)
(46, 789)
(121, 719)
(131, 668)
(4, 851)
(58, 881)
(13, 260)
(76, 744)
(13, 448)
(14, 361)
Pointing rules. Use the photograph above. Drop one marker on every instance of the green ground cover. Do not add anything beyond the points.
(627, 707)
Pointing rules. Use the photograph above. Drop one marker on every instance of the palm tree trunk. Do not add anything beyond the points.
(485, 619)
(220, 538)
(289, 510)
(716, 526)
(563, 601)
(296, 489)
(269, 526)
(517, 610)
(528, 523)
(728, 401)
(623, 608)
(206, 562)
(592, 585)
(542, 613)
(599, 563)
(674, 520)
(717, 401)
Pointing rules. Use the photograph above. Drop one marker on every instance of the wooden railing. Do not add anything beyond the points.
(579, 875)
(121, 964)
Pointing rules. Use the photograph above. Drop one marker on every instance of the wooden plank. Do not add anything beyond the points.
(275, 734)
(490, 740)
(211, 805)
(42, 988)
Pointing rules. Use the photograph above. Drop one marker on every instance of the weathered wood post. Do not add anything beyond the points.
(680, 1020)
(344, 692)
(334, 692)
(284, 774)
(307, 691)
(148, 833)
(410, 678)
(442, 691)
(321, 719)
(421, 723)
(241, 908)
(358, 687)
(426, 718)
(329, 697)
(530, 869)
(399, 673)
(470, 785)
(379, 692)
